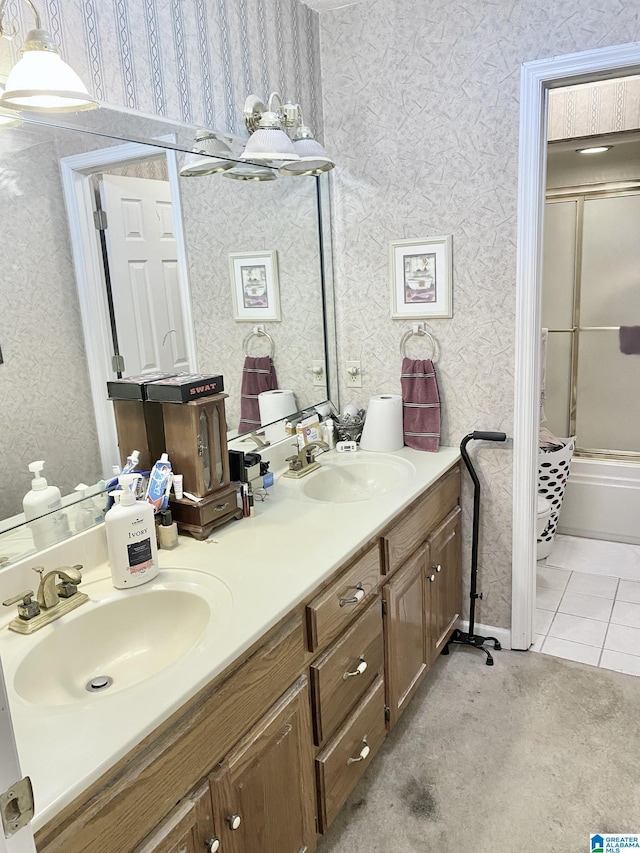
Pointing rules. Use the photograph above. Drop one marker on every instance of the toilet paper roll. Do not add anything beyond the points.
(273, 406)
(382, 430)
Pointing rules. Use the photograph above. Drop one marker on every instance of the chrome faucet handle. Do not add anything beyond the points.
(27, 608)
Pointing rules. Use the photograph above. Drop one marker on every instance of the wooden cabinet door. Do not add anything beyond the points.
(264, 793)
(405, 630)
(187, 829)
(445, 567)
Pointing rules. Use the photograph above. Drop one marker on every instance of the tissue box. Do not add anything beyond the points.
(184, 387)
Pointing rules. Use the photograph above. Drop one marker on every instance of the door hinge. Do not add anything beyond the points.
(117, 364)
(384, 606)
(100, 219)
(16, 806)
(387, 713)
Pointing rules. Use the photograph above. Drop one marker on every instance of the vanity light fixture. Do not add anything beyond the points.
(210, 155)
(8, 118)
(596, 149)
(41, 81)
(280, 136)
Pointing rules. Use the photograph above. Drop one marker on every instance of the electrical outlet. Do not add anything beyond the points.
(318, 372)
(354, 374)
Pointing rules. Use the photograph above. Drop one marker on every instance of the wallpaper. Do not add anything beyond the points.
(421, 104)
(607, 106)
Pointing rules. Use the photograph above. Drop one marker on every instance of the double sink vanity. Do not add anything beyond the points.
(251, 684)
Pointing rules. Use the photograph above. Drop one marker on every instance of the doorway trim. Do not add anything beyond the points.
(536, 79)
(76, 172)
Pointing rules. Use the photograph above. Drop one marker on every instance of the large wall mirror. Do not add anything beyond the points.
(159, 281)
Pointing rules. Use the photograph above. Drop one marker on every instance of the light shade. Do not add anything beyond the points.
(248, 172)
(209, 156)
(269, 142)
(41, 81)
(312, 158)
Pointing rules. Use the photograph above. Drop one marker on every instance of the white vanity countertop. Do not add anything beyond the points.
(268, 564)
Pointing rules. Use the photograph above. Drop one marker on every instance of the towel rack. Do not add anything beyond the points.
(258, 332)
(417, 330)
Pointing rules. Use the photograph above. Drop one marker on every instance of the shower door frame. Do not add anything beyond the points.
(537, 77)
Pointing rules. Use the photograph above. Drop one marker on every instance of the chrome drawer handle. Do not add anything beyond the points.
(437, 568)
(354, 599)
(432, 577)
(364, 753)
(212, 845)
(362, 667)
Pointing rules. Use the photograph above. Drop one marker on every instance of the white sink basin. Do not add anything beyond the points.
(122, 638)
(359, 477)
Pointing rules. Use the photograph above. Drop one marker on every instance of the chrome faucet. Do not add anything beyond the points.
(52, 600)
(304, 462)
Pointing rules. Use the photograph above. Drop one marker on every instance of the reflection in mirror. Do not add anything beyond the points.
(74, 295)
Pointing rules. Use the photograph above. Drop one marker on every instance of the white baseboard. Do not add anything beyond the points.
(502, 635)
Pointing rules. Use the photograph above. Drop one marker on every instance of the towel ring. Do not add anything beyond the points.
(417, 331)
(257, 332)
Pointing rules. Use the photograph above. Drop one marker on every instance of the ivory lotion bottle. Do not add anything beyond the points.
(131, 537)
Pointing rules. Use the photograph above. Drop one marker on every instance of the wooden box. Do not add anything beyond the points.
(201, 518)
(196, 441)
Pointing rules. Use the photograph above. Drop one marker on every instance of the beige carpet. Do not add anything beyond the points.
(529, 755)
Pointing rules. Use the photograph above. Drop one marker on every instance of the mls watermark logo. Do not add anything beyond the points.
(613, 843)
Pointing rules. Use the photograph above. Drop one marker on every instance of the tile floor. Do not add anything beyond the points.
(588, 603)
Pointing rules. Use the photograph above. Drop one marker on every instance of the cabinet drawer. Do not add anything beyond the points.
(405, 536)
(359, 652)
(331, 611)
(343, 761)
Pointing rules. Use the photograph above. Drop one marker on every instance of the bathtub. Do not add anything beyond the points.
(602, 501)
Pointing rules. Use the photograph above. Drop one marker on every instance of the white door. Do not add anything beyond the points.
(143, 266)
(22, 841)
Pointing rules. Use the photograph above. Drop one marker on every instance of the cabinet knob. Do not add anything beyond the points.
(432, 577)
(355, 598)
(234, 821)
(364, 753)
(212, 845)
(437, 568)
(359, 670)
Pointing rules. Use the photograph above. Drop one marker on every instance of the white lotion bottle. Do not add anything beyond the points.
(131, 538)
(40, 504)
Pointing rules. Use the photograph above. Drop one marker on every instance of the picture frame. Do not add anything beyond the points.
(255, 287)
(421, 278)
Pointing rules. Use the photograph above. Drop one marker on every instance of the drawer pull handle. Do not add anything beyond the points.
(359, 670)
(432, 577)
(437, 568)
(212, 845)
(364, 753)
(220, 507)
(355, 598)
(234, 821)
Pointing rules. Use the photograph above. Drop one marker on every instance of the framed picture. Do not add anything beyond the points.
(254, 286)
(421, 279)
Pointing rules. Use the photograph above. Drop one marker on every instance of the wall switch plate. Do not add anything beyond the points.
(354, 374)
(318, 372)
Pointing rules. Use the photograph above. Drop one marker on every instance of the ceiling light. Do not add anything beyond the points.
(41, 81)
(210, 155)
(596, 149)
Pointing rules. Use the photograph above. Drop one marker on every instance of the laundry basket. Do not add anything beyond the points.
(553, 473)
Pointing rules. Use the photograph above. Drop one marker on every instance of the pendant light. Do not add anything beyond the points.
(41, 81)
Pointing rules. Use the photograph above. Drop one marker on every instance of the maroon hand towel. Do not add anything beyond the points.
(630, 340)
(258, 374)
(420, 404)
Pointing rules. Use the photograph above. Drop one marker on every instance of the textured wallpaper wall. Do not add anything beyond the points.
(421, 105)
(607, 106)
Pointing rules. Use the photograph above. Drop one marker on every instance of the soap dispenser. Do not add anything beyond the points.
(131, 537)
(39, 505)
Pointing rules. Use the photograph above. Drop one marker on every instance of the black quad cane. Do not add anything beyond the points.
(470, 638)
